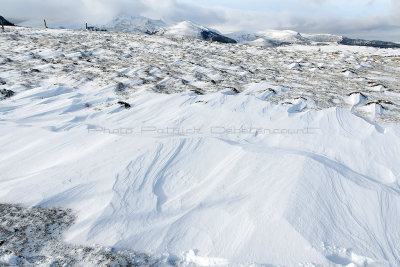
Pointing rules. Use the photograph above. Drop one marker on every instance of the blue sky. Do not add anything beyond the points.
(369, 19)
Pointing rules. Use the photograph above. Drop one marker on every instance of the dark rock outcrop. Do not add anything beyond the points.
(95, 29)
(5, 22)
(361, 42)
(4, 93)
(216, 37)
(124, 104)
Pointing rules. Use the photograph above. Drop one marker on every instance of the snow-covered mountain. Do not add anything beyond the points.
(284, 36)
(137, 24)
(270, 38)
(267, 38)
(262, 42)
(192, 30)
(322, 38)
(184, 29)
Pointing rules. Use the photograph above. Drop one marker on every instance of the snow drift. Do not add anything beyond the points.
(283, 189)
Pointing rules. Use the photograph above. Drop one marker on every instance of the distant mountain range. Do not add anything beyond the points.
(273, 38)
(187, 29)
(269, 38)
(5, 22)
(360, 42)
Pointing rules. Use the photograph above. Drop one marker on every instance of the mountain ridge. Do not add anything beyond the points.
(266, 38)
(188, 29)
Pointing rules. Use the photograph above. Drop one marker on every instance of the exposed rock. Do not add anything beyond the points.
(216, 37)
(4, 93)
(124, 104)
(96, 29)
(5, 22)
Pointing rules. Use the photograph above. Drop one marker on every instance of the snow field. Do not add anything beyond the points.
(286, 166)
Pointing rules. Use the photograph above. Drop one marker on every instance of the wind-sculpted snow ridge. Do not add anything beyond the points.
(205, 154)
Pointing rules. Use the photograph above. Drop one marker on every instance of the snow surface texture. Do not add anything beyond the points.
(224, 155)
(307, 77)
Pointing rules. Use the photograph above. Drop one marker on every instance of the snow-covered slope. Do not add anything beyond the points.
(185, 29)
(284, 36)
(323, 38)
(137, 24)
(262, 42)
(270, 38)
(290, 198)
(282, 171)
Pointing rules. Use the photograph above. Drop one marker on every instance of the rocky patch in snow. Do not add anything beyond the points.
(4, 93)
(33, 237)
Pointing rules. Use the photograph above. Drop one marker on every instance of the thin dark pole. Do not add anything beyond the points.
(45, 24)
